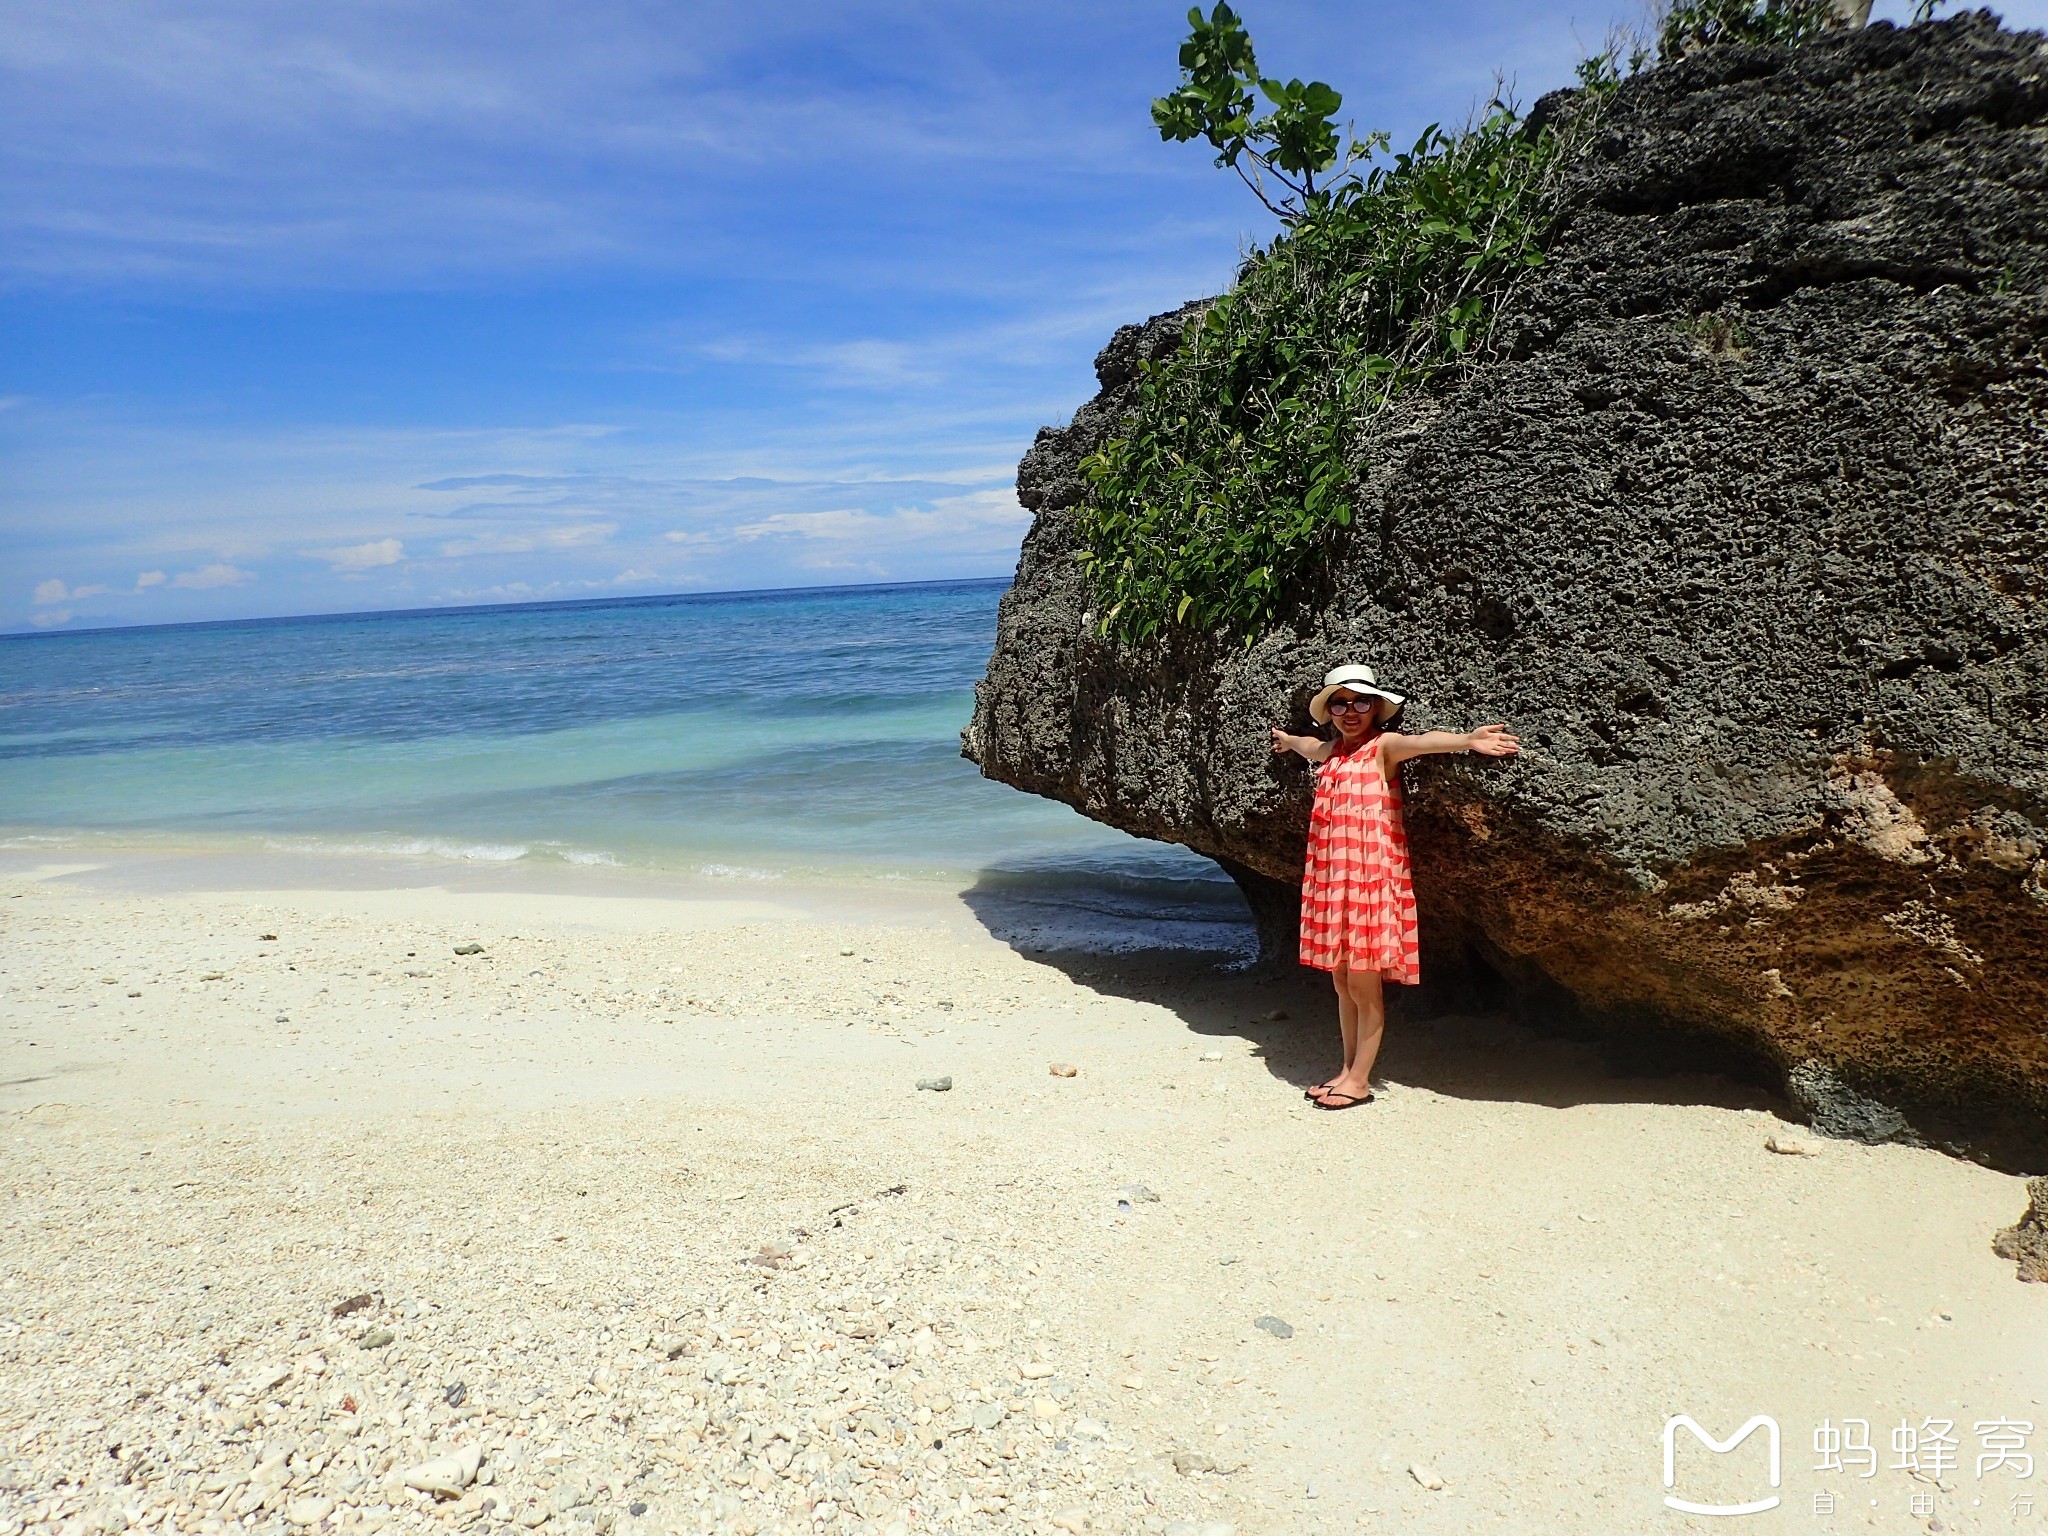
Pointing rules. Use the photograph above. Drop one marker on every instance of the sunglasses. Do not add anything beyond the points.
(1345, 706)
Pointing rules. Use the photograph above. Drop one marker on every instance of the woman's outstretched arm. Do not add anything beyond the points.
(1314, 748)
(1487, 741)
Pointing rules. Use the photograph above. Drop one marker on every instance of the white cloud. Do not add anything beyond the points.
(868, 568)
(54, 591)
(234, 138)
(216, 575)
(571, 536)
(355, 558)
(51, 620)
(480, 508)
(856, 364)
(838, 523)
(996, 508)
(526, 591)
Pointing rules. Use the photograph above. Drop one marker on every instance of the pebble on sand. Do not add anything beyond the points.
(935, 1084)
(1275, 1326)
(449, 1474)
(469, 949)
(1793, 1146)
(1427, 1475)
(1065, 1069)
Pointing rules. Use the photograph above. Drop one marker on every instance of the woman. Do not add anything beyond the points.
(1357, 900)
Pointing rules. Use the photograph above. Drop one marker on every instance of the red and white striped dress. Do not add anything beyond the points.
(1357, 898)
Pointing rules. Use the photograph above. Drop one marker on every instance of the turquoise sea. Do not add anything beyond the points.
(800, 735)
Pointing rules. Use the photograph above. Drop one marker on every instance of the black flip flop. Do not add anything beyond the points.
(1355, 1102)
(1310, 1093)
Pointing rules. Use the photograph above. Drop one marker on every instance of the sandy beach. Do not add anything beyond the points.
(636, 1219)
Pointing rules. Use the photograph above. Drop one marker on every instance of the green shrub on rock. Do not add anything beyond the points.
(1238, 469)
(1691, 25)
(1237, 465)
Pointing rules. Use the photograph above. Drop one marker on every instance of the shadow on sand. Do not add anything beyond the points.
(1452, 1040)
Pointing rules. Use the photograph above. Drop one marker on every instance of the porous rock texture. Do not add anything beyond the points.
(1742, 528)
(2026, 1240)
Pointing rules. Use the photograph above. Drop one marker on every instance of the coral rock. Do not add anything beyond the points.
(1741, 527)
(2026, 1241)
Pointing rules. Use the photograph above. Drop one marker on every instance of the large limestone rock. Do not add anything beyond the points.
(1768, 603)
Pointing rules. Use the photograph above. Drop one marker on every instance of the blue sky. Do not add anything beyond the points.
(323, 307)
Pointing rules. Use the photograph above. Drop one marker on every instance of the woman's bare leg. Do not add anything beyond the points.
(1347, 1023)
(1366, 1027)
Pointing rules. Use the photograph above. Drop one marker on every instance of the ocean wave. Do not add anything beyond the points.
(39, 840)
(737, 872)
(404, 847)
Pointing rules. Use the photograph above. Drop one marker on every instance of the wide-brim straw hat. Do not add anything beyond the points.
(1353, 678)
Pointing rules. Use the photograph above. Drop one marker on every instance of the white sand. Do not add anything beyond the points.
(549, 1163)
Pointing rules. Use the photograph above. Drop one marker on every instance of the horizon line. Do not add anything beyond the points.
(336, 616)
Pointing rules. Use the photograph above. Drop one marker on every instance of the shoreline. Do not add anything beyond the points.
(983, 902)
(625, 1177)
(171, 869)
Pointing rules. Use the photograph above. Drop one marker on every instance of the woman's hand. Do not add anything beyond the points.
(1312, 748)
(1493, 741)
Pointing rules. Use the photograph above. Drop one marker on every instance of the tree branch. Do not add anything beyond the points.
(1283, 214)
